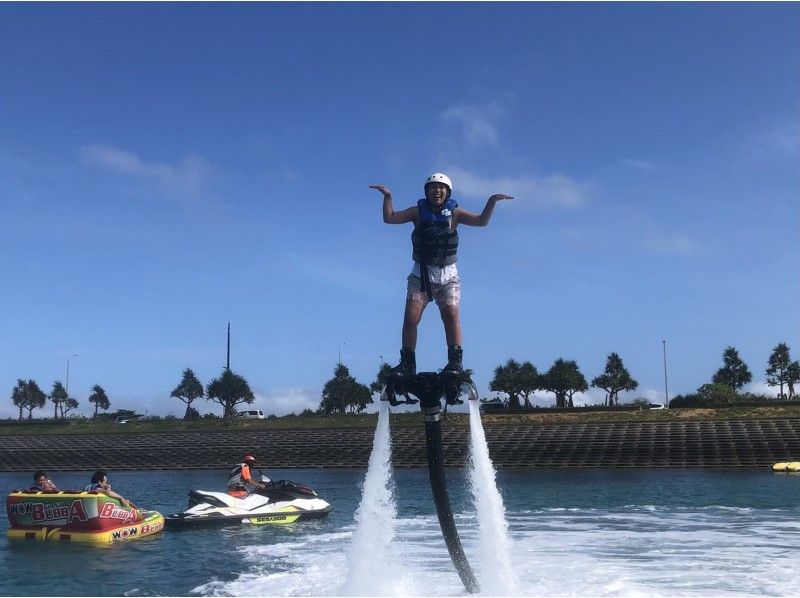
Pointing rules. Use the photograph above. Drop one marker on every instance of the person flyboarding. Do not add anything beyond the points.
(434, 275)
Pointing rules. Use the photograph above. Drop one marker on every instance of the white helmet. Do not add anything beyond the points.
(438, 177)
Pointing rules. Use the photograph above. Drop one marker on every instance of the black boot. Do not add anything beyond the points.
(408, 363)
(455, 356)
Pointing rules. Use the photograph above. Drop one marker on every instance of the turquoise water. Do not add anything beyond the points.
(573, 532)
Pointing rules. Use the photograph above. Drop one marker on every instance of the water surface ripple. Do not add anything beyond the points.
(599, 532)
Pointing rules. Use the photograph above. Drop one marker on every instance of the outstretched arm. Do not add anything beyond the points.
(389, 215)
(109, 492)
(464, 217)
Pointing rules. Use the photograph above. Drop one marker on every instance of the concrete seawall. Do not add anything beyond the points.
(743, 443)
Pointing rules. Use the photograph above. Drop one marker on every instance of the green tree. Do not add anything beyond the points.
(36, 398)
(529, 381)
(716, 395)
(639, 402)
(344, 394)
(99, 398)
(68, 406)
(58, 395)
(229, 390)
(508, 379)
(18, 396)
(615, 378)
(380, 379)
(778, 366)
(793, 377)
(28, 395)
(734, 372)
(564, 379)
(187, 391)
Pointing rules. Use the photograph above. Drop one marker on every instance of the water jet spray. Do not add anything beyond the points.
(430, 388)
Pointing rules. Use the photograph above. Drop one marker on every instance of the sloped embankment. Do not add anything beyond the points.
(714, 443)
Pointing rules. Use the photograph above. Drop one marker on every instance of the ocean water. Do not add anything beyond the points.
(598, 532)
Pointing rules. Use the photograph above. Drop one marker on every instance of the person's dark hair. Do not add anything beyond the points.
(98, 476)
(38, 475)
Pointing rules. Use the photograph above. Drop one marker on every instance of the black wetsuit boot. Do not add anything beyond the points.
(455, 357)
(408, 363)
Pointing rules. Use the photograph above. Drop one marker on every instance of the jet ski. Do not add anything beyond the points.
(280, 502)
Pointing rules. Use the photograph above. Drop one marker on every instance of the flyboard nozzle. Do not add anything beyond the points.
(430, 388)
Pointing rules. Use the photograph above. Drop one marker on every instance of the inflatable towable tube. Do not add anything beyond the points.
(790, 466)
(77, 517)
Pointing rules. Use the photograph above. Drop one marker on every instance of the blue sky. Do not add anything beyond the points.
(167, 168)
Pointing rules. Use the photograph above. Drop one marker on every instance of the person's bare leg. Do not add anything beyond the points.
(411, 320)
(452, 324)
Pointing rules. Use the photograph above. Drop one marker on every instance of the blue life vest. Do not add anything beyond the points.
(434, 240)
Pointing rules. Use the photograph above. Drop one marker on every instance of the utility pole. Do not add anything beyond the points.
(666, 387)
(228, 363)
(67, 380)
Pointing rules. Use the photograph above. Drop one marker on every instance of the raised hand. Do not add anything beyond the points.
(499, 196)
(382, 189)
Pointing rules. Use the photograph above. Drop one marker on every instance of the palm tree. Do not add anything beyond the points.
(99, 398)
(614, 379)
(229, 390)
(188, 390)
(58, 395)
(734, 372)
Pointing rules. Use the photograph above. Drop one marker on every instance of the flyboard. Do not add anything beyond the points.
(430, 388)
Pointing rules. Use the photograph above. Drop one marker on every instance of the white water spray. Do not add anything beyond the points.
(496, 574)
(372, 557)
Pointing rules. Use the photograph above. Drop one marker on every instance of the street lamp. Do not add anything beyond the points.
(666, 387)
(66, 389)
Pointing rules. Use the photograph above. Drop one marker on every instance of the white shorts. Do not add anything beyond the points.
(445, 294)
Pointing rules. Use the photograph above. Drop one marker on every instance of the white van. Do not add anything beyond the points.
(255, 414)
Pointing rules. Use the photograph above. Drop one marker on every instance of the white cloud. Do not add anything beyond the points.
(478, 123)
(594, 396)
(583, 399)
(186, 176)
(286, 401)
(551, 191)
(627, 229)
(762, 388)
(8, 411)
(652, 395)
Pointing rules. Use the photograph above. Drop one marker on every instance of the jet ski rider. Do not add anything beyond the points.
(241, 477)
(434, 276)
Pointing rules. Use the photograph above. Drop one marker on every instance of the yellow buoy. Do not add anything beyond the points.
(780, 466)
(793, 466)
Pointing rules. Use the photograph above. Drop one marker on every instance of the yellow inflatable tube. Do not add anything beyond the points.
(786, 466)
(88, 517)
